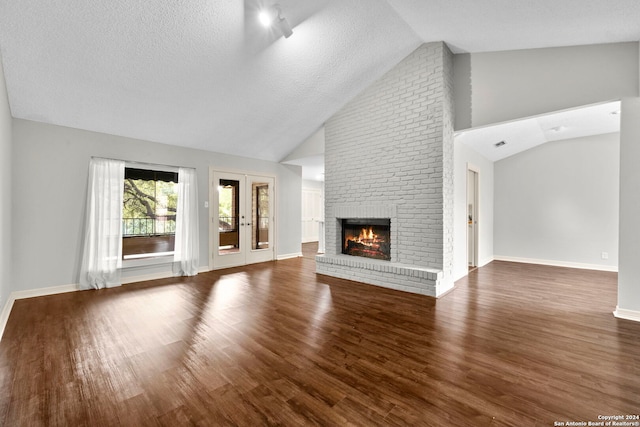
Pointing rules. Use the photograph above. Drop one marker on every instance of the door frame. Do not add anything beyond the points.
(213, 212)
(476, 214)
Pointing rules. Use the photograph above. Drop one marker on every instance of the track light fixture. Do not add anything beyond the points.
(272, 17)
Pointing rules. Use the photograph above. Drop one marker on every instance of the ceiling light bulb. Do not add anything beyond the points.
(266, 18)
(272, 17)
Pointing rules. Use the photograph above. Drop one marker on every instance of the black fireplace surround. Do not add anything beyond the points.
(367, 237)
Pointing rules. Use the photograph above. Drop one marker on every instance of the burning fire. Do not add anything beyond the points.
(366, 236)
(367, 243)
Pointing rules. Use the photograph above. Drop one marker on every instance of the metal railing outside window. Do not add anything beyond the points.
(148, 227)
(227, 223)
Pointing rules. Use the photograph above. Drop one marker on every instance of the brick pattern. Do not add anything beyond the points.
(392, 146)
(447, 166)
(407, 278)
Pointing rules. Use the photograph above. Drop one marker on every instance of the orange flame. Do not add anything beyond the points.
(366, 235)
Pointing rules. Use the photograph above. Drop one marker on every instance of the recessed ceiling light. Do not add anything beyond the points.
(499, 144)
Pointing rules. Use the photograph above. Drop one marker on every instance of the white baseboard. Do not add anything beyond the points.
(147, 277)
(4, 315)
(485, 261)
(444, 290)
(289, 256)
(41, 292)
(157, 276)
(31, 293)
(622, 313)
(554, 263)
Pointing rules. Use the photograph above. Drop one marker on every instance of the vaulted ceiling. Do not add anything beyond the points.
(501, 140)
(205, 74)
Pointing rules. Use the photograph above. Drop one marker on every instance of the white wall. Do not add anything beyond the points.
(5, 191)
(50, 167)
(629, 267)
(463, 156)
(514, 84)
(629, 270)
(313, 185)
(558, 203)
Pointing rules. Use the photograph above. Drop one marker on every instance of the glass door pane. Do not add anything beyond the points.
(260, 208)
(229, 216)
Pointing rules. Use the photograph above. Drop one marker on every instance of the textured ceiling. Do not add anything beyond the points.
(492, 25)
(521, 135)
(204, 74)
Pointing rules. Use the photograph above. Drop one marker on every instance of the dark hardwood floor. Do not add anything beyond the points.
(274, 343)
(310, 250)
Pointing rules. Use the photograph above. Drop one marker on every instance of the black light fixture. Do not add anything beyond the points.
(272, 16)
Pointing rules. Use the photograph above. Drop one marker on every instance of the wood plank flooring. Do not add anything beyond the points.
(276, 344)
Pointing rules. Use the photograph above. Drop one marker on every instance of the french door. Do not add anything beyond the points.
(242, 219)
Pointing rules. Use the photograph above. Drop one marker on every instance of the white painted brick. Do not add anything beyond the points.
(389, 154)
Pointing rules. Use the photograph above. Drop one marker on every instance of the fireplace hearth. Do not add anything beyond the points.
(367, 237)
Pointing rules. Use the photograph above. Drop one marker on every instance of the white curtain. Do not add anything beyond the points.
(102, 255)
(187, 248)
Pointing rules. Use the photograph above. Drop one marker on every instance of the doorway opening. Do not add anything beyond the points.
(473, 183)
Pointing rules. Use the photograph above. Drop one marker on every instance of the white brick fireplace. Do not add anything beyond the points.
(389, 154)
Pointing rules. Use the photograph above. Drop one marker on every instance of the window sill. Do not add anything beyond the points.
(145, 262)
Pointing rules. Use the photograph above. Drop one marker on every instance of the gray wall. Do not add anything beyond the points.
(310, 147)
(629, 267)
(5, 191)
(50, 168)
(559, 202)
(515, 84)
(462, 90)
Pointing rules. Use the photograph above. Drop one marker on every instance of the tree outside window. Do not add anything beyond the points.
(149, 212)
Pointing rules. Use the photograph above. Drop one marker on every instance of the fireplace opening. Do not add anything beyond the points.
(367, 237)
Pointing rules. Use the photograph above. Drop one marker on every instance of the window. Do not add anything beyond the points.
(149, 213)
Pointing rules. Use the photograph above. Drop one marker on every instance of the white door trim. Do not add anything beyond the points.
(213, 211)
(475, 215)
